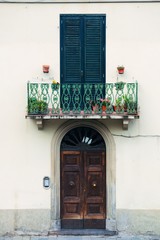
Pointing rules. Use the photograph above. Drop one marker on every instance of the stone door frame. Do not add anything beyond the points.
(110, 171)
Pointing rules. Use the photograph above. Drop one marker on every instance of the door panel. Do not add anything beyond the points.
(95, 185)
(83, 189)
(71, 193)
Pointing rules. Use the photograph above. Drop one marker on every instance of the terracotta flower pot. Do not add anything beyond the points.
(104, 108)
(120, 70)
(46, 68)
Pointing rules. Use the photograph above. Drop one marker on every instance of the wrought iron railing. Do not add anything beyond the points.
(54, 99)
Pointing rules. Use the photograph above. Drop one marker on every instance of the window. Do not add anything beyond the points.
(82, 48)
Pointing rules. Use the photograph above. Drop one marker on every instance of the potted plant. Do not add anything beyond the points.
(94, 106)
(55, 85)
(43, 107)
(130, 105)
(45, 68)
(119, 106)
(120, 69)
(32, 105)
(105, 103)
(126, 102)
(36, 106)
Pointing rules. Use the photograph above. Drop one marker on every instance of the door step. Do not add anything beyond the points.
(83, 224)
(83, 232)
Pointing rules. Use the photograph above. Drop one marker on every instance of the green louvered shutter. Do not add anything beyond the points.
(82, 48)
(94, 47)
(71, 49)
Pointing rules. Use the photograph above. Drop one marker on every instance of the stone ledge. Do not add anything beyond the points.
(84, 232)
(125, 118)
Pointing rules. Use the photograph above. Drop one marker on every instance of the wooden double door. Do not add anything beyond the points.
(83, 189)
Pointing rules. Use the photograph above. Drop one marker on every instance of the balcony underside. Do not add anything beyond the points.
(125, 118)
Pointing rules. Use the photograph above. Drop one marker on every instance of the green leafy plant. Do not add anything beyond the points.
(105, 102)
(119, 105)
(94, 106)
(126, 100)
(129, 104)
(36, 106)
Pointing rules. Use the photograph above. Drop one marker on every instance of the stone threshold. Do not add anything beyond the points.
(83, 232)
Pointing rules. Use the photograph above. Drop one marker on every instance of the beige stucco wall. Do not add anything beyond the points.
(29, 38)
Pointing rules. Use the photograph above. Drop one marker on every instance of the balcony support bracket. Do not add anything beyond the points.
(40, 124)
(125, 124)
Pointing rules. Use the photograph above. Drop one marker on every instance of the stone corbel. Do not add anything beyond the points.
(40, 124)
(125, 124)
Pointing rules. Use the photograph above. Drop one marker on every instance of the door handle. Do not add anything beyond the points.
(71, 183)
(94, 184)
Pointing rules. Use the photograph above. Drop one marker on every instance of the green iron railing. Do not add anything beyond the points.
(51, 99)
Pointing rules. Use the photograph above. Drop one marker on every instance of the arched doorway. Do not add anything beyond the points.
(83, 179)
(61, 131)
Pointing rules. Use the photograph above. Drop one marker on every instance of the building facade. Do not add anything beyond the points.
(97, 170)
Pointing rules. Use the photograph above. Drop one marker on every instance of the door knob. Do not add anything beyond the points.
(94, 184)
(71, 183)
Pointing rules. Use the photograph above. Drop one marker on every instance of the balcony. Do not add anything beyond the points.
(82, 101)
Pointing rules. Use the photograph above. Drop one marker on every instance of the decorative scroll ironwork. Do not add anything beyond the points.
(119, 97)
(55, 98)
(132, 96)
(38, 99)
(87, 98)
(99, 93)
(110, 97)
(66, 98)
(76, 98)
(44, 92)
(49, 98)
(33, 90)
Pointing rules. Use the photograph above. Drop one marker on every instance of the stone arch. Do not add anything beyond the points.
(110, 170)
